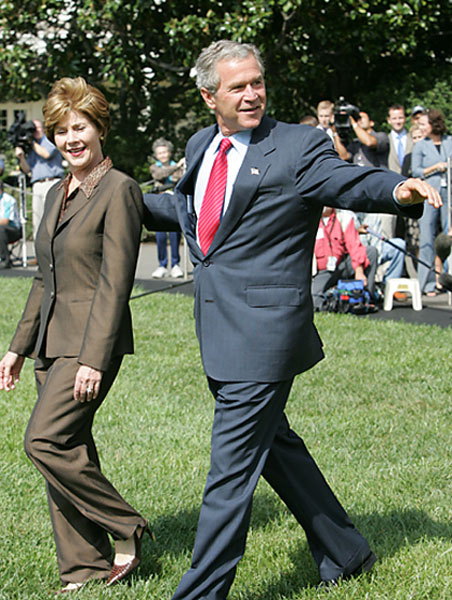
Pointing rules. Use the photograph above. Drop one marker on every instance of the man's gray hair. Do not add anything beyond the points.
(206, 65)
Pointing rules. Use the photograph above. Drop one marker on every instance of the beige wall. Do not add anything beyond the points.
(33, 110)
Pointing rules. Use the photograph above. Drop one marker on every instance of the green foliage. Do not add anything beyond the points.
(438, 96)
(375, 414)
(141, 52)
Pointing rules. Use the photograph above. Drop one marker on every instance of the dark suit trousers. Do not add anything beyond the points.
(84, 506)
(251, 436)
(8, 234)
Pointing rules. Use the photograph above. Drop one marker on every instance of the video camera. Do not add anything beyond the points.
(343, 110)
(21, 133)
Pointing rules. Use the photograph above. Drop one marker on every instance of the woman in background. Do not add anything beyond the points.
(165, 174)
(77, 325)
(411, 225)
(429, 161)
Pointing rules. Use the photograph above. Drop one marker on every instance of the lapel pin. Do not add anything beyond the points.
(254, 171)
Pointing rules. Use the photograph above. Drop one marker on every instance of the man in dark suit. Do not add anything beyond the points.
(253, 309)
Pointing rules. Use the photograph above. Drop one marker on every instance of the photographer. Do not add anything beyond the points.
(43, 163)
(370, 148)
(325, 117)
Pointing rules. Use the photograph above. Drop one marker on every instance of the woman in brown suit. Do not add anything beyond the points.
(77, 325)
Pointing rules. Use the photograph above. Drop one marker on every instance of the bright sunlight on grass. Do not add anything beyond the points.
(375, 414)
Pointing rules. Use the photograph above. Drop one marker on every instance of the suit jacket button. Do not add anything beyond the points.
(51, 267)
(52, 294)
(206, 262)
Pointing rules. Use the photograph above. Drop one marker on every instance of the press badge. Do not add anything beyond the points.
(331, 263)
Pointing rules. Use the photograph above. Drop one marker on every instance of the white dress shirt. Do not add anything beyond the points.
(235, 156)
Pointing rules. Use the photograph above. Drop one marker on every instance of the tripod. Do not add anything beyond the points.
(22, 181)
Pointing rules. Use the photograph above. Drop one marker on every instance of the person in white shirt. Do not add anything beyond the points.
(325, 117)
(9, 226)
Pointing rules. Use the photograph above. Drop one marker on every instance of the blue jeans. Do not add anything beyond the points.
(429, 228)
(162, 250)
(396, 257)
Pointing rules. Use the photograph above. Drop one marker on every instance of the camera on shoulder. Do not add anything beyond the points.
(343, 110)
(21, 132)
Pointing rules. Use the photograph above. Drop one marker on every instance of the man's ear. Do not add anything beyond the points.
(208, 98)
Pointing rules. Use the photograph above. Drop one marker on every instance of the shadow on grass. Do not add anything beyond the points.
(175, 534)
(387, 534)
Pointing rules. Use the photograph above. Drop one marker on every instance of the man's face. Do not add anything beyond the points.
(239, 102)
(38, 133)
(325, 117)
(396, 119)
(364, 122)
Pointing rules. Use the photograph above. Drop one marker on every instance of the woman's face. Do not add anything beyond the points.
(424, 125)
(416, 135)
(78, 140)
(163, 154)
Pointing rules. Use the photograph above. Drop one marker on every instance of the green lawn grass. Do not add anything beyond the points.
(376, 415)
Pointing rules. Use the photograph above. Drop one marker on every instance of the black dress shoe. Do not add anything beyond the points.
(364, 567)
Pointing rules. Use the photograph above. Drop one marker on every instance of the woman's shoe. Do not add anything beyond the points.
(119, 572)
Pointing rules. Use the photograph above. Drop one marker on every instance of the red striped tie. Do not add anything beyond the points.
(212, 204)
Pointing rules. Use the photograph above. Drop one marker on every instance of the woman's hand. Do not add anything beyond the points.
(10, 367)
(359, 274)
(441, 167)
(87, 383)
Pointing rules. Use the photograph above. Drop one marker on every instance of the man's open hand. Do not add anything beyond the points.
(416, 191)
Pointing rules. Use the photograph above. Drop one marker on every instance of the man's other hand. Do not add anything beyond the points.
(416, 191)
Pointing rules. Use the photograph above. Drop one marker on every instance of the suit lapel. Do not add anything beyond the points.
(76, 204)
(54, 211)
(187, 186)
(409, 144)
(255, 164)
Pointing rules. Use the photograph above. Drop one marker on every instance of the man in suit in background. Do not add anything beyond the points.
(252, 261)
(400, 143)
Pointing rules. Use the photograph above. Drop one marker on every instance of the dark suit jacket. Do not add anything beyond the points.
(78, 304)
(253, 308)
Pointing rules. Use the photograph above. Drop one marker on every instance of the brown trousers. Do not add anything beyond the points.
(84, 506)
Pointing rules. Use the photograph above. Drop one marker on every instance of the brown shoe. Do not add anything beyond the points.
(119, 572)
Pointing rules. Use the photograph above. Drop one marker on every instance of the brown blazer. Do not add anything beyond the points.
(393, 159)
(78, 303)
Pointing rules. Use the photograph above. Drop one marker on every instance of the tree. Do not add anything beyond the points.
(141, 52)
